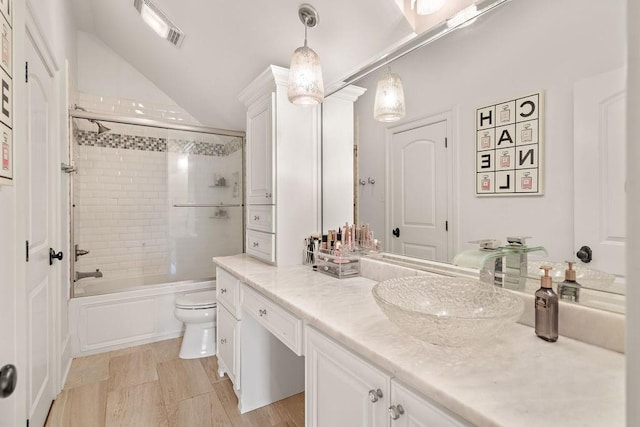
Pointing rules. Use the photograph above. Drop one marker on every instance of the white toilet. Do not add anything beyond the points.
(198, 312)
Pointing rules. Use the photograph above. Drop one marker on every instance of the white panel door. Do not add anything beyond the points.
(419, 192)
(260, 153)
(40, 278)
(599, 168)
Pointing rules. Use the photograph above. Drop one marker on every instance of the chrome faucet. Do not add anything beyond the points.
(507, 266)
(81, 275)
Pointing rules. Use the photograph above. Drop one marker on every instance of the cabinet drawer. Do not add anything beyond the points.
(261, 245)
(228, 291)
(228, 341)
(285, 326)
(261, 218)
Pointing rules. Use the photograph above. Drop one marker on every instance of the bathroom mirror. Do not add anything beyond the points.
(521, 48)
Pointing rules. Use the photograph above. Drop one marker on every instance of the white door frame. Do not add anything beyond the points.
(450, 116)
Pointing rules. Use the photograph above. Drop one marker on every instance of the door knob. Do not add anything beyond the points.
(53, 255)
(8, 380)
(585, 254)
(396, 232)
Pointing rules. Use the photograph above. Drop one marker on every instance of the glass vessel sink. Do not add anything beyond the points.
(447, 311)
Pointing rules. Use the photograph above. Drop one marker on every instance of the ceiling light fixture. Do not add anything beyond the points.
(464, 17)
(426, 7)
(389, 102)
(305, 74)
(155, 18)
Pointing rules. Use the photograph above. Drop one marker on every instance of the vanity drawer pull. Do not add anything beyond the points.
(256, 244)
(262, 312)
(256, 218)
(223, 291)
(223, 341)
(375, 395)
(395, 411)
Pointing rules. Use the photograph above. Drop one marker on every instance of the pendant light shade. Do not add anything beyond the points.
(305, 77)
(305, 73)
(389, 103)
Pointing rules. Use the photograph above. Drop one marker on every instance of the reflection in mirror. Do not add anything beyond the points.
(424, 166)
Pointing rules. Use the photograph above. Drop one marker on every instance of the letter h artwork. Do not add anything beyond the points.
(510, 147)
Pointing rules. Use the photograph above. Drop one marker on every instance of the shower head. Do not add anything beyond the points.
(101, 128)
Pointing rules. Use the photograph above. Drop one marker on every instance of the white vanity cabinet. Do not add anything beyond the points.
(260, 152)
(282, 170)
(259, 344)
(345, 390)
(228, 325)
(342, 389)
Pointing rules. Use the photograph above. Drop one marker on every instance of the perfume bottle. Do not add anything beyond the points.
(546, 308)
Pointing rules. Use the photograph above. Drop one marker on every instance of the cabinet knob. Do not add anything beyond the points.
(262, 312)
(267, 195)
(256, 244)
(223, 291)
(375, 395)
(256, 218)
(395, 411)
(223, 340)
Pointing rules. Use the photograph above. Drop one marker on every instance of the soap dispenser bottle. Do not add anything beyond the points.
(546, 307)
(570, 288)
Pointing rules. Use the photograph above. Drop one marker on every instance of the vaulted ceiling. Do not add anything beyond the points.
(228, 43)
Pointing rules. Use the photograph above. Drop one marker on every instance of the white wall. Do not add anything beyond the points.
(522, 47)
(108, 83)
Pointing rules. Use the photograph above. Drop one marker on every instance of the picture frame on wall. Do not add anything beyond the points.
(6, 93)
(510, 147)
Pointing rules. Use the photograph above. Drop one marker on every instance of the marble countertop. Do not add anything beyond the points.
(516, 380)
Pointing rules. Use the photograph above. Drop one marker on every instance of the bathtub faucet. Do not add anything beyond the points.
(81, 275)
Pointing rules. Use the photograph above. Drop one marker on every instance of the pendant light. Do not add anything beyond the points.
(426, 7)
(305, 75)
(389, 102)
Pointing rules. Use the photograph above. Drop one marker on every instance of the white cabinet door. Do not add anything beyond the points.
(260, 139)
(228, 291)
(227, 333)
(342, 389)
(408, 409)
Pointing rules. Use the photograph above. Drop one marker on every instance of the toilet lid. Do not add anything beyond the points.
(196, 300)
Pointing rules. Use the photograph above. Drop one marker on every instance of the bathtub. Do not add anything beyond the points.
(103, 285)
(109, 320)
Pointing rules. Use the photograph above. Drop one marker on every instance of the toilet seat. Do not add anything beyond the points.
(197, 301)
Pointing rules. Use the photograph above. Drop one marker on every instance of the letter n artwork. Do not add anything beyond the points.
(510, 147)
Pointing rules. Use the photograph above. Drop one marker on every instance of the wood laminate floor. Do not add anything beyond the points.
(150, 386)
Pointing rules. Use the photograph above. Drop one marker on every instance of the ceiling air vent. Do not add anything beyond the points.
(154, 17)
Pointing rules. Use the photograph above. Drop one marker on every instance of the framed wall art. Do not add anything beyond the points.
(510, 147)
(6, 93)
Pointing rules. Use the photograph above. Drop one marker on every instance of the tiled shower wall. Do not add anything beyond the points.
(121, 213)
(124, 195)
(131, 108)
